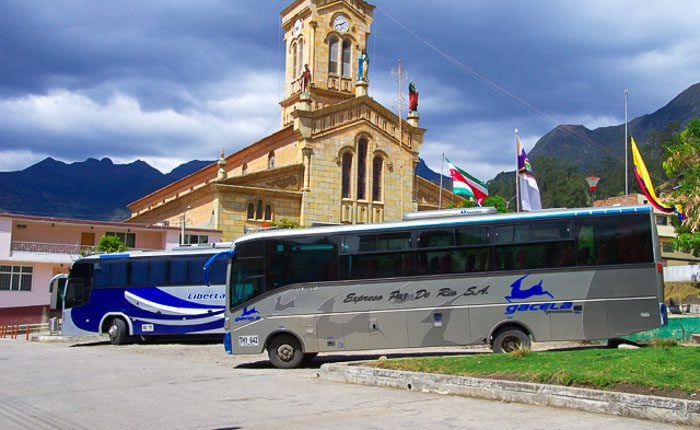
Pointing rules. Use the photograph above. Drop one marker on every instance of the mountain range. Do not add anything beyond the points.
(100, 190)
(589, 148)
(91, 189)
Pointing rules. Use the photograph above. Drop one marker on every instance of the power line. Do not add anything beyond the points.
(496, 87)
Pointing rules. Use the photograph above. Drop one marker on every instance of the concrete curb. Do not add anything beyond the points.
(663, 409)
(77, 340)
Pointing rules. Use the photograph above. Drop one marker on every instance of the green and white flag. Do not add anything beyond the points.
(465, 185)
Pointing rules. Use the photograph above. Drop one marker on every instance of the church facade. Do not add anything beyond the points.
(339, 157)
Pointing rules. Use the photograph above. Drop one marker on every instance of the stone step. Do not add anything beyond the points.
(695, 338)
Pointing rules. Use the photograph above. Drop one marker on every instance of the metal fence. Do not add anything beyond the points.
(53, 248)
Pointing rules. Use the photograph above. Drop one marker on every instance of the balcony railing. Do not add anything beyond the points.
(52, 248)
(56, 248)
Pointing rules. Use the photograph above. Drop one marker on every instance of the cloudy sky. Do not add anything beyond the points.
(172, 81)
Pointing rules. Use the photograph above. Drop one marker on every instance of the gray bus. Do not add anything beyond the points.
(496, 279)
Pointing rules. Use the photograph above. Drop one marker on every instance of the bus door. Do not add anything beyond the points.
(56, 288)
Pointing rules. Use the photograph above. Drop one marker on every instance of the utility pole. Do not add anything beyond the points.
(182, 224)
(400, 77)
(627, 191)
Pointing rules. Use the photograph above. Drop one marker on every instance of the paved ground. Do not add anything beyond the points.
(200, 387)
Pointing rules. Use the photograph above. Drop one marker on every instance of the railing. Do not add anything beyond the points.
(52, 248)
(59, 248)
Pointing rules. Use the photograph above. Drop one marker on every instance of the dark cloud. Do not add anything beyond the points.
(170, 81)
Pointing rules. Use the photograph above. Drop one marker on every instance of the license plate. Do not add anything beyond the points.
(248, 340)
(146, 327)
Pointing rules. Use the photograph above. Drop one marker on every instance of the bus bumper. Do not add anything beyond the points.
(227, 343)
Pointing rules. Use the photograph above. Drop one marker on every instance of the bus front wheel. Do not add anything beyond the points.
(510, 340)
(285, 352)
(118, 331)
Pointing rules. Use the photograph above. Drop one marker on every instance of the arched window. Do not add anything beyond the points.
(300, 70)
(333, 55)
(271, 160)
(251, 211)
(347, 169)
(295, 65)
(268, 213)
(362, 169)
(377, 165)
(259, 212)
(346, 68)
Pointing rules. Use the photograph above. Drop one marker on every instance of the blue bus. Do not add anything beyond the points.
(145, 294)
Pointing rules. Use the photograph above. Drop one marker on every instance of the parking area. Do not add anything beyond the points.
(198, 386)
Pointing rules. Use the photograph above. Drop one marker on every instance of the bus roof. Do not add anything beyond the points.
(208, 249)
(446, 221)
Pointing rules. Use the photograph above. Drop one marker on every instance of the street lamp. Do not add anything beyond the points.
(592, 183)
(182, 224)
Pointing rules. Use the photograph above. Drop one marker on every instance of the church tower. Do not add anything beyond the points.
(339, 157)
(329, 37)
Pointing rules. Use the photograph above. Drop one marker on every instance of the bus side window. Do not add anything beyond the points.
(585, 245)
(484, 261)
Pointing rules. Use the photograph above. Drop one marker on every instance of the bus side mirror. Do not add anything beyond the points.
(212, 259)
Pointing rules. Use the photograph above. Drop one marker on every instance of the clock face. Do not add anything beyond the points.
(340, 23)
(297, 27)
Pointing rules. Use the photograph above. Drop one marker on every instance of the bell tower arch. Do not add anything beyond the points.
(324, 41)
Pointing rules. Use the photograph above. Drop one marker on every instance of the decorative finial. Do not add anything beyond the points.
(222, 166)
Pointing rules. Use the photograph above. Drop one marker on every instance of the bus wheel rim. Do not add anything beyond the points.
(285, 352)
(511, 344)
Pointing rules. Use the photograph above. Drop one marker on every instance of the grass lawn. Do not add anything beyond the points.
(661, 370)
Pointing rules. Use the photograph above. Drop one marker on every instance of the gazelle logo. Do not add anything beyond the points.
(517, 293)
(248, 315)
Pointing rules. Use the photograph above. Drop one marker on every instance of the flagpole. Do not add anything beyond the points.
(627, 192)
(442, 164)
(517, 188)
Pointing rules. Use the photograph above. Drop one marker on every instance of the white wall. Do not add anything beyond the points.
(689, 273)
(5, 237)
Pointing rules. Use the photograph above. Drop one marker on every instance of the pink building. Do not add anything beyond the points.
(34, 249)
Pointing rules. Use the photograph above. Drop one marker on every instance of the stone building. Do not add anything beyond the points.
(339, 157)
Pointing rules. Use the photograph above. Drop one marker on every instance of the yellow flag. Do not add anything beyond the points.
(641, 171)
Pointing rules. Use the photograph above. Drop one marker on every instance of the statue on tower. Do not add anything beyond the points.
(412, 97)
(362, 66)
(305, 79)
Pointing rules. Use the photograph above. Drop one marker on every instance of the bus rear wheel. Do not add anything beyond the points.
(118, 331)
(510, 340)
(285, 352)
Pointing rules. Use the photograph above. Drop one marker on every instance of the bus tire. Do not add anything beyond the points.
(285, 352)
(118, 331)
(510, 340)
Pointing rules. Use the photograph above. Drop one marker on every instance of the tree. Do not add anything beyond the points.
(285, 223)
(109, 243)
(493, 200)
(682, 166)
(561, 184)
(497, 202)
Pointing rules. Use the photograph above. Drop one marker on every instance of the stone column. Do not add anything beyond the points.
(360, 88)
(306, 154)
(413, 118)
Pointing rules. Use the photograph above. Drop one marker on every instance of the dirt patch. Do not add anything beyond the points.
(646, 391)
(622, 388)
(682, 292)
